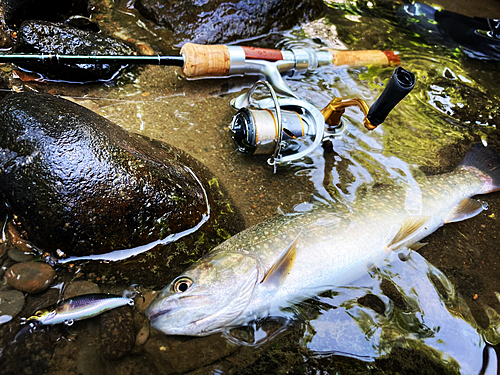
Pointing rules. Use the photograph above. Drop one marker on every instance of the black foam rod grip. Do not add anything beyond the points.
(401, 83)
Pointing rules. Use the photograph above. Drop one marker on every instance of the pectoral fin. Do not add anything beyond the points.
(465, 210)
(418, 245)
(408, 230)
(280, 270)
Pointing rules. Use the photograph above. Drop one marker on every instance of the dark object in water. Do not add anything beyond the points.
(478, 38)
(401, 83)
(81, 184)
(43, 37)
(17, 11)
(222, 21)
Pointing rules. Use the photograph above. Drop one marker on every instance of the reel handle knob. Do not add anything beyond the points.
(401, 83)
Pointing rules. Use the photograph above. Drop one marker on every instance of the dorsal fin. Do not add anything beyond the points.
(465, 210)
(280, 270)
(410, 228)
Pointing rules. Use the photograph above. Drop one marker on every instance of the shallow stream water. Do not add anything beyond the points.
(436, 311)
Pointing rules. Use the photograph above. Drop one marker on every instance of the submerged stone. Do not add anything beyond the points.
(11, 304)
(117, 332)
(58, 38)
(80, 287)
(17, 11)
(169, 353)
(84, 185)
(222, 21)
(30, 277)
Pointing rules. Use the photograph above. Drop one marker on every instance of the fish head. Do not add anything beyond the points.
(208, 297)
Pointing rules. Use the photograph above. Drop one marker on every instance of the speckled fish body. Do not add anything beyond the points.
(291, 258)
(80, 307)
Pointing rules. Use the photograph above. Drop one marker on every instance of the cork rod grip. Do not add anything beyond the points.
(363, 58)
(203, 61)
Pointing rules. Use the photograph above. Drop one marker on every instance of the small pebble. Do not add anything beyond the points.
(145, 49)
(11, 304)
(3, 249)
(5, 319)
(143, 334)
(20, 256)
(78, 288)
(5, 40)
(30, 277)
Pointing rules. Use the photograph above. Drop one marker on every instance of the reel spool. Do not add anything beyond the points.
(263, 128)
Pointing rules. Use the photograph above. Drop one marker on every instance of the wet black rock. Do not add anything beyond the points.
(222, 21)
(3, 251)
(117, 332)
(5, 88)
(58, 38)
(17, 11)
(29, 354)
(81, 184)
(373, 302)
(6, 42)
(169, 353)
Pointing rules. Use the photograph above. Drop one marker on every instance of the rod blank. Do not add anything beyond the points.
(92, 59)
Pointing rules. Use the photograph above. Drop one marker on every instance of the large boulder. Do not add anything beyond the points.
(17, 11)
(222, 21)
(42, 37)
(82, 184)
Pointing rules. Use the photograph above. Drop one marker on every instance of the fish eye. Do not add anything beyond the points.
(182, 284)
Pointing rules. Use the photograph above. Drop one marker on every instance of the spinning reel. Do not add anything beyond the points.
(272, 126)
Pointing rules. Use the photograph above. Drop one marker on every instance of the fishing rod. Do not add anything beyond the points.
(199, 61)
(270, 125)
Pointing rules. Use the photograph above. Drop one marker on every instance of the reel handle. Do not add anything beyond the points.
(401, 83)
(363, 58)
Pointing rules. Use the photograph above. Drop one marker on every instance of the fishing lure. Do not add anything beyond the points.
(81, 307)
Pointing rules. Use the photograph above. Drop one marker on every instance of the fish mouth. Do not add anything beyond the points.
(154, 315)
(158, 309)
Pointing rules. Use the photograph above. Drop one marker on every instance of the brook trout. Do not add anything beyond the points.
(290, 258)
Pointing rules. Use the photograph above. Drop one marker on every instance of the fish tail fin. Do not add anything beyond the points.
(486, 160)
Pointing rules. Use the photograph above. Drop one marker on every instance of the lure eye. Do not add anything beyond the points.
(39, 313)
(182, 284)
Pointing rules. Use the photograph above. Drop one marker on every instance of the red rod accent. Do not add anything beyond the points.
(263, 54)
(392, 57)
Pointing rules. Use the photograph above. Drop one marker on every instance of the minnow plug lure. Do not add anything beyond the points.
(81, 307)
